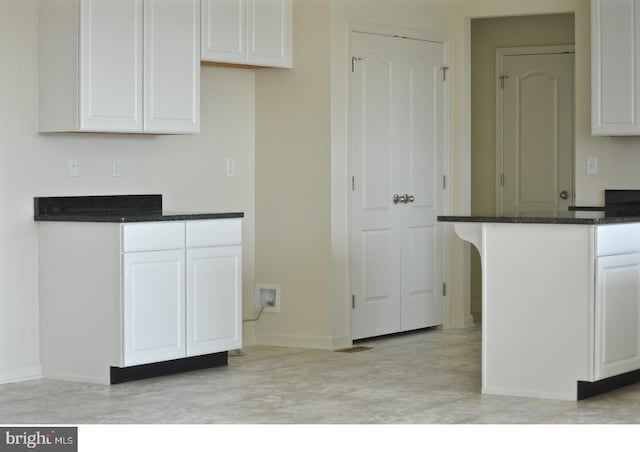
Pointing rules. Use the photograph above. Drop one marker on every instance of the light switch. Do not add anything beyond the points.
(73, 168)
(592, 166)
(117, 168)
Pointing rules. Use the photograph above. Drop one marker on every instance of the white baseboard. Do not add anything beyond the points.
(316, 342)
(20, 374)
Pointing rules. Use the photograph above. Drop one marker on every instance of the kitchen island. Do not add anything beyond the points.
(560, 301)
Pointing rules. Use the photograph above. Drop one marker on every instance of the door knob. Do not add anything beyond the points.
(564, 194)
(404, 199)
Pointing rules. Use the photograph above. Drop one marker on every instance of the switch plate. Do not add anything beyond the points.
(231, 168)
(592, 166)
(117, 168)
(73, 168)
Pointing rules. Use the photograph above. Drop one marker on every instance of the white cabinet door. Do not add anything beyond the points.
(111, 65)
(214, 294)
(617, 325)
(153, 306)
(224, 31)
(250, 32)
(172, 66)
(269, 32)
(615, 60)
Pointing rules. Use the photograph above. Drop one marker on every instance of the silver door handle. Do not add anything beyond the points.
(564, 194)
(404, 199)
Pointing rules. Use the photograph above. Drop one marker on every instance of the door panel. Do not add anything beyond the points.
(214, 294)
(154, 304)
(396, 146)
(617, 334)
(537, 132)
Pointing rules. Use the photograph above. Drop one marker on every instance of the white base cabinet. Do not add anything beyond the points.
(247, 32)
(126, 66)
(128, 294)
(561, 304)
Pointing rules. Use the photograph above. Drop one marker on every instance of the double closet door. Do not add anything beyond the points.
(397, 87)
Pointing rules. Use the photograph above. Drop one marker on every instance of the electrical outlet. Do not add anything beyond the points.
(592, 166)
(231, 168)
(268, 297)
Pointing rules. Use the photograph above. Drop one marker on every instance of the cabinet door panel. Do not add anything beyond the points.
(172, 66)
(214, 294)
(224, 31)
(615, 67)
(111, 65)
(153, 306)
(617, 334)
(269, 33)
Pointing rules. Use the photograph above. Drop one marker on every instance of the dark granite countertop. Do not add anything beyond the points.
(591, 216)
(115, 209)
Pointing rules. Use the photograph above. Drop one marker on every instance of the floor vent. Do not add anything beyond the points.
(357, 348)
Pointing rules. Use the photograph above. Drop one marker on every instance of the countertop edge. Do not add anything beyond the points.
(135, 218)
(537, 220)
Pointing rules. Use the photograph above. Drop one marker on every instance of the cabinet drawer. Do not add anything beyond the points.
(617, 239)
(222, 232)
(165, 235)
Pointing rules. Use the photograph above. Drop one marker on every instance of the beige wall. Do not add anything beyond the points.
(486, 36)
(292, 185)
(188, 170)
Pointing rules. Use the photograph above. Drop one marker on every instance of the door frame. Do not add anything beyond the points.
(447, 171)
(501, 52)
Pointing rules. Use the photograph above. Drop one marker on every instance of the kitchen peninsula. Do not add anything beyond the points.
(560, 301)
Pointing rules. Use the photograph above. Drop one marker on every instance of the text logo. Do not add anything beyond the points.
(39, 438)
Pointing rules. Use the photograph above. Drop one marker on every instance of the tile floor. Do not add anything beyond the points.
(428, 377)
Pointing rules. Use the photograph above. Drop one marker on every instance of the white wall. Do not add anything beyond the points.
(188, 170)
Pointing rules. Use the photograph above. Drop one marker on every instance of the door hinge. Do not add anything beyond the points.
(502, 179)
(502, 78)
(444, 182)
(353, 62)
(353, 183)
(444, 73)
(444, 289)
(353, 301)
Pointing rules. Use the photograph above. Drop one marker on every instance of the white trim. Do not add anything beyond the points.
(20, 374)
(314, 342)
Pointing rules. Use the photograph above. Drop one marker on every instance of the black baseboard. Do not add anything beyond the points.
(589, 389)
(124, 374)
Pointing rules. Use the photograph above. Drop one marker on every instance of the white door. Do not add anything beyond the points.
(535, 129)
(396, 149)
(617, 335)
(111, 65)
(153, 306)
(214, 299)
(172, 66)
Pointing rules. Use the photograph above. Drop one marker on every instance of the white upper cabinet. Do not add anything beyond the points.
(615, 60)
(129, 66)
(248, 32)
